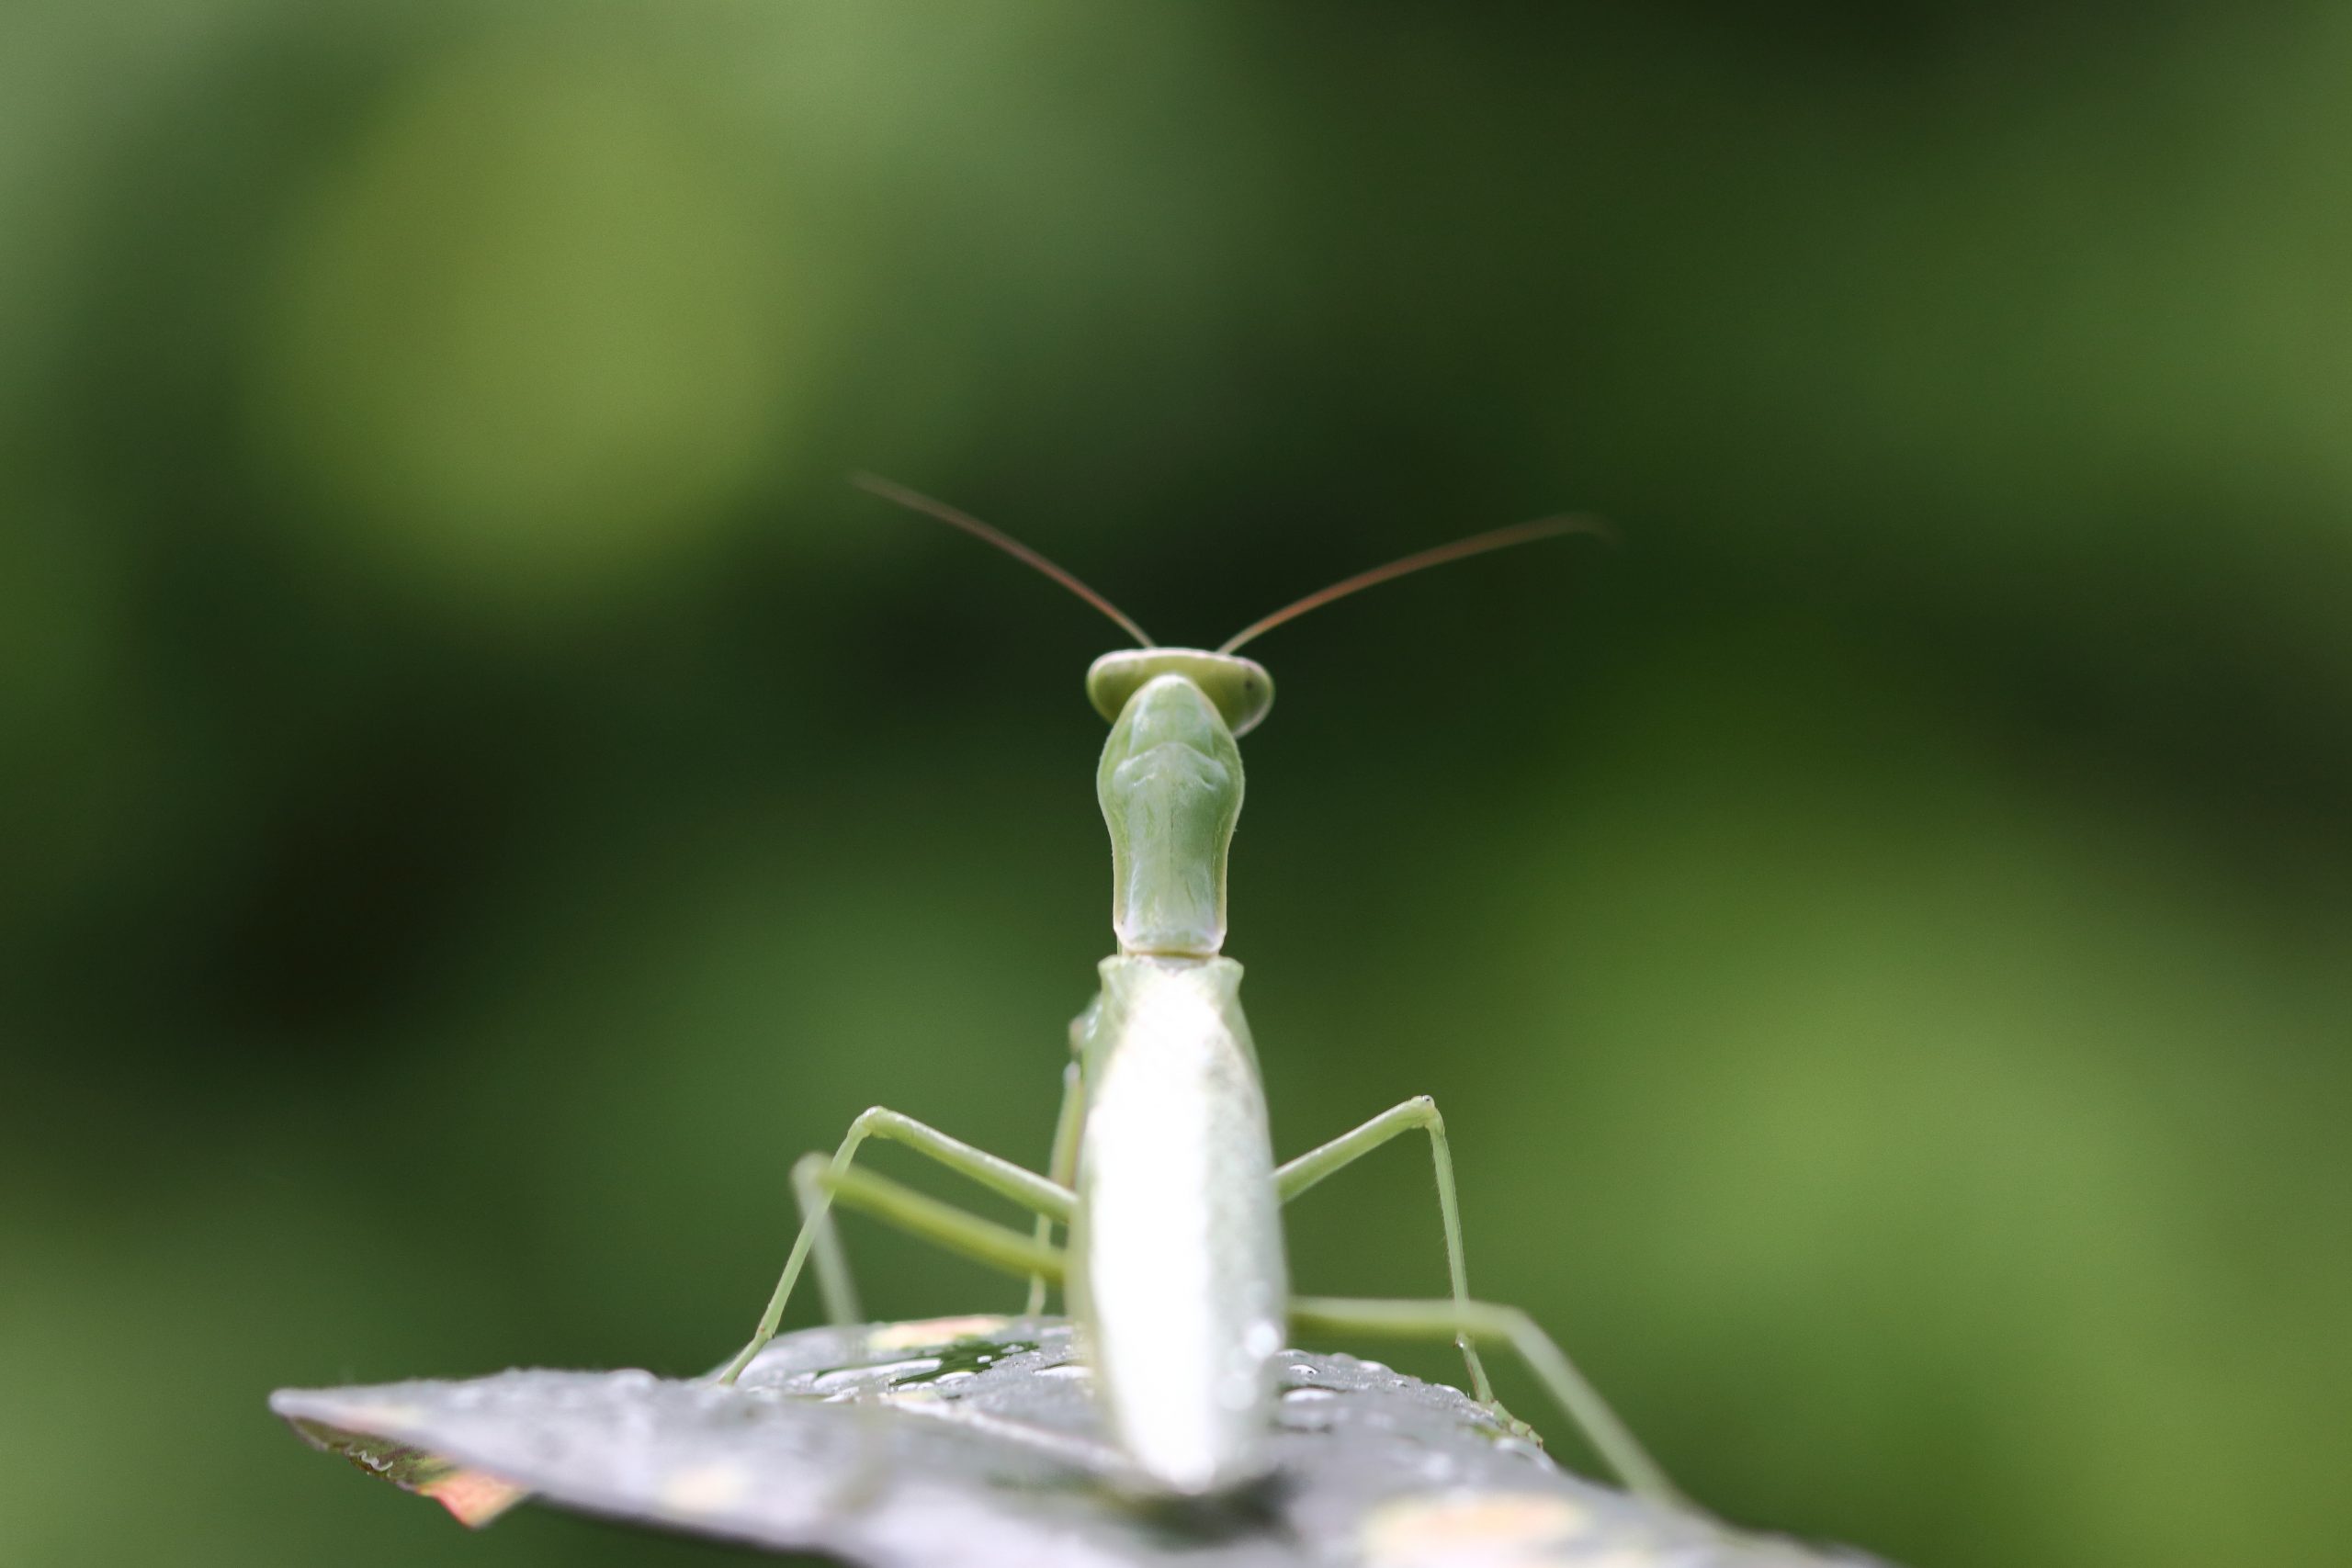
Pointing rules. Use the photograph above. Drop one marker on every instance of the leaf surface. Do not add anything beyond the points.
(975, 1443)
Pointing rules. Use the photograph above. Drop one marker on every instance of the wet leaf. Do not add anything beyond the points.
(963, 1442)
(473, 1497)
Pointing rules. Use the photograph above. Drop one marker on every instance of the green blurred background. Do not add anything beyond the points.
(478, 793)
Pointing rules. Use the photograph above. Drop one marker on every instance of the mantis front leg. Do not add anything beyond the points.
(816, 1181)
(1420, 1111)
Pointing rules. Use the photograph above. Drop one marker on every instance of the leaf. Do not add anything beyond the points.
(964, 1442)
(474, 1497)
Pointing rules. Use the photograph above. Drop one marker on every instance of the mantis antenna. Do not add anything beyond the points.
(915, 500)
(1461, 550)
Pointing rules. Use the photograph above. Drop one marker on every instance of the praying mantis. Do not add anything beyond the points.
(1161, 1173)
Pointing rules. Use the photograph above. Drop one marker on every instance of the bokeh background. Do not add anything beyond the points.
(482, 794)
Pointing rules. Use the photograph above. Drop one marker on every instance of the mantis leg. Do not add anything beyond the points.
(999, 1176)
(1063, 1170)
(1420, 1111)
(943, 1224)
(819, 1183)
(1609, 1437)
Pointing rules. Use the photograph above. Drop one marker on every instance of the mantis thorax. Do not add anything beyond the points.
(1171, 787)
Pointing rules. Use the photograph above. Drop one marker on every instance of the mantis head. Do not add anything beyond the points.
(1171, 779)
(1240, 688)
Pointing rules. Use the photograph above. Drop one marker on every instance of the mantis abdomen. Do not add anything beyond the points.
(1176, 1278)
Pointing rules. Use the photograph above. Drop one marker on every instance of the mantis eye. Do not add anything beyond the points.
(1240, 688)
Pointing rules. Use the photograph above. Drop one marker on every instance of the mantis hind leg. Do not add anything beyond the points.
(1611, 1438)
(1420, 1111)
(1063, 1170)
(818, 1181)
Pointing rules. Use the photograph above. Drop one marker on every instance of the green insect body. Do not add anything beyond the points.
(1176, 1275)
(1163, 1171)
